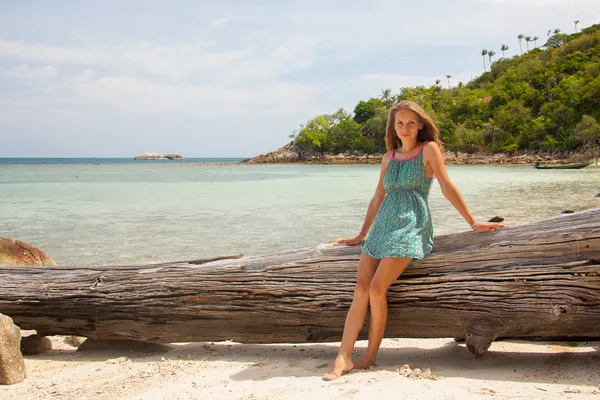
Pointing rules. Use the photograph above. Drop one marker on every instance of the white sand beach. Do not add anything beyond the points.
(225, 370)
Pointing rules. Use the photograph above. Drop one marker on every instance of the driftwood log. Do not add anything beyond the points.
(533, 281)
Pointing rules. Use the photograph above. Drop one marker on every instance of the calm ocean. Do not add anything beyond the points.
(119, 211)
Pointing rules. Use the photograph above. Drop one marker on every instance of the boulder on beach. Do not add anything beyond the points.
(12, 364)
(21, 254)
(149, 156)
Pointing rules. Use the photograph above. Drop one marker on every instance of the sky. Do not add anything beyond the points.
(117, 78)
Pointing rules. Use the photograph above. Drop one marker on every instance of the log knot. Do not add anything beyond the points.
(98, 281)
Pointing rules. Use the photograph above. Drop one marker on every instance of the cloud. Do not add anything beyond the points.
(220, 21)
(259, 69)
(26, 72)
(207, 101)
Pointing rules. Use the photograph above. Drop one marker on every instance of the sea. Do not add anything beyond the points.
(112, 211)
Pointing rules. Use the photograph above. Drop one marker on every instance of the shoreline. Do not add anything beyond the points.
(288, 155)
(449, 158)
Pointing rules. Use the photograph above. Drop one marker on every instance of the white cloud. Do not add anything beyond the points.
(207, 101)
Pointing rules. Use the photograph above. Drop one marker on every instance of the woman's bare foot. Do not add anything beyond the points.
(364, 363)
(340, 365)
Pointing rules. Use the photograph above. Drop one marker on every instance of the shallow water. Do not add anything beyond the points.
(100, 212)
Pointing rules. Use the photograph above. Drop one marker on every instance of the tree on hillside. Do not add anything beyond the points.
(527, 39)
(313, 136)
(520, 37)
(576, 22)
(386, 97)
(535, 39)
(366, 109)
(491, 54)
(504, 48)
(448, 77)
(556, 40)
(557, 31)
(483, 54)
(587, 131)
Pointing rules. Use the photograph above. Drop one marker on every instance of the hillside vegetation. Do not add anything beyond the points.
(545, 99)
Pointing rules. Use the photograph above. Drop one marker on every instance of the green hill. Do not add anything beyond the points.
(544, 100)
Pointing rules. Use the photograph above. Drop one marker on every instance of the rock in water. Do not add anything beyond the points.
(174, 156)
(149, 156)
(20, 254)
(567, 212)
(496, 219)
(35, 344)
(12, 365)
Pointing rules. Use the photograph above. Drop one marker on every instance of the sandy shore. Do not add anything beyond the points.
(512, 370)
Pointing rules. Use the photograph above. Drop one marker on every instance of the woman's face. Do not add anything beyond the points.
(407, 124)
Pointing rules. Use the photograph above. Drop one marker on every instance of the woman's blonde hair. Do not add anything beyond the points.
(429, 132)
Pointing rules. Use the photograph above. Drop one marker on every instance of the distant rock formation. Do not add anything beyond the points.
(149, 156)
(156, 156)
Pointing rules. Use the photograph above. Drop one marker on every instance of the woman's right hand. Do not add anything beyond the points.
(352, 241)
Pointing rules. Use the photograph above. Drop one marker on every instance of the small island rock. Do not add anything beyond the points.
(149, 156)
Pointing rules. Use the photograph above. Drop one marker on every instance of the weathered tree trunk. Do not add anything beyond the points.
(533, 281)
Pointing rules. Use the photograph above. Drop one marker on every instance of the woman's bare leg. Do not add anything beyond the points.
(388, 271)
(355, 318)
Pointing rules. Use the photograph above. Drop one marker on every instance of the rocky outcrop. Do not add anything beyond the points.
(12, 365)
(156, 156)
(285, 155)
(21, 254)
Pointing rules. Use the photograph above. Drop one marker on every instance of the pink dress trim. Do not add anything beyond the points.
(408, 159)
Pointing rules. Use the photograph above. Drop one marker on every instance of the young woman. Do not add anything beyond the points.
(398, 223)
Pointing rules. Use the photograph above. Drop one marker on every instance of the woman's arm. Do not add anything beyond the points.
(433, 158)
(374, 205)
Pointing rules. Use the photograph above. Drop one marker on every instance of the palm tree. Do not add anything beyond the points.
(437, 82)
(535, 39)
(483, 54)
(528, 39)
(576, 22)
(549, 33)
(386, 95)
(520, 37)
(504, 48)
(557, 31)
(491, 54)
(448, 77)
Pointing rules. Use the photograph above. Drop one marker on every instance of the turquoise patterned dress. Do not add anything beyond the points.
(403, 227)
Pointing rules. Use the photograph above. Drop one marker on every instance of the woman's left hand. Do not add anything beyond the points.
(487, 226)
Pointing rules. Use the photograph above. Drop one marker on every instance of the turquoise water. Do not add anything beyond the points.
(94, 211)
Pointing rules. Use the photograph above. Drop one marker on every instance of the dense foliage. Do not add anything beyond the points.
(546, 100)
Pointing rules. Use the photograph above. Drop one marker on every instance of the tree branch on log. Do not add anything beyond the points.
(540, 280)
